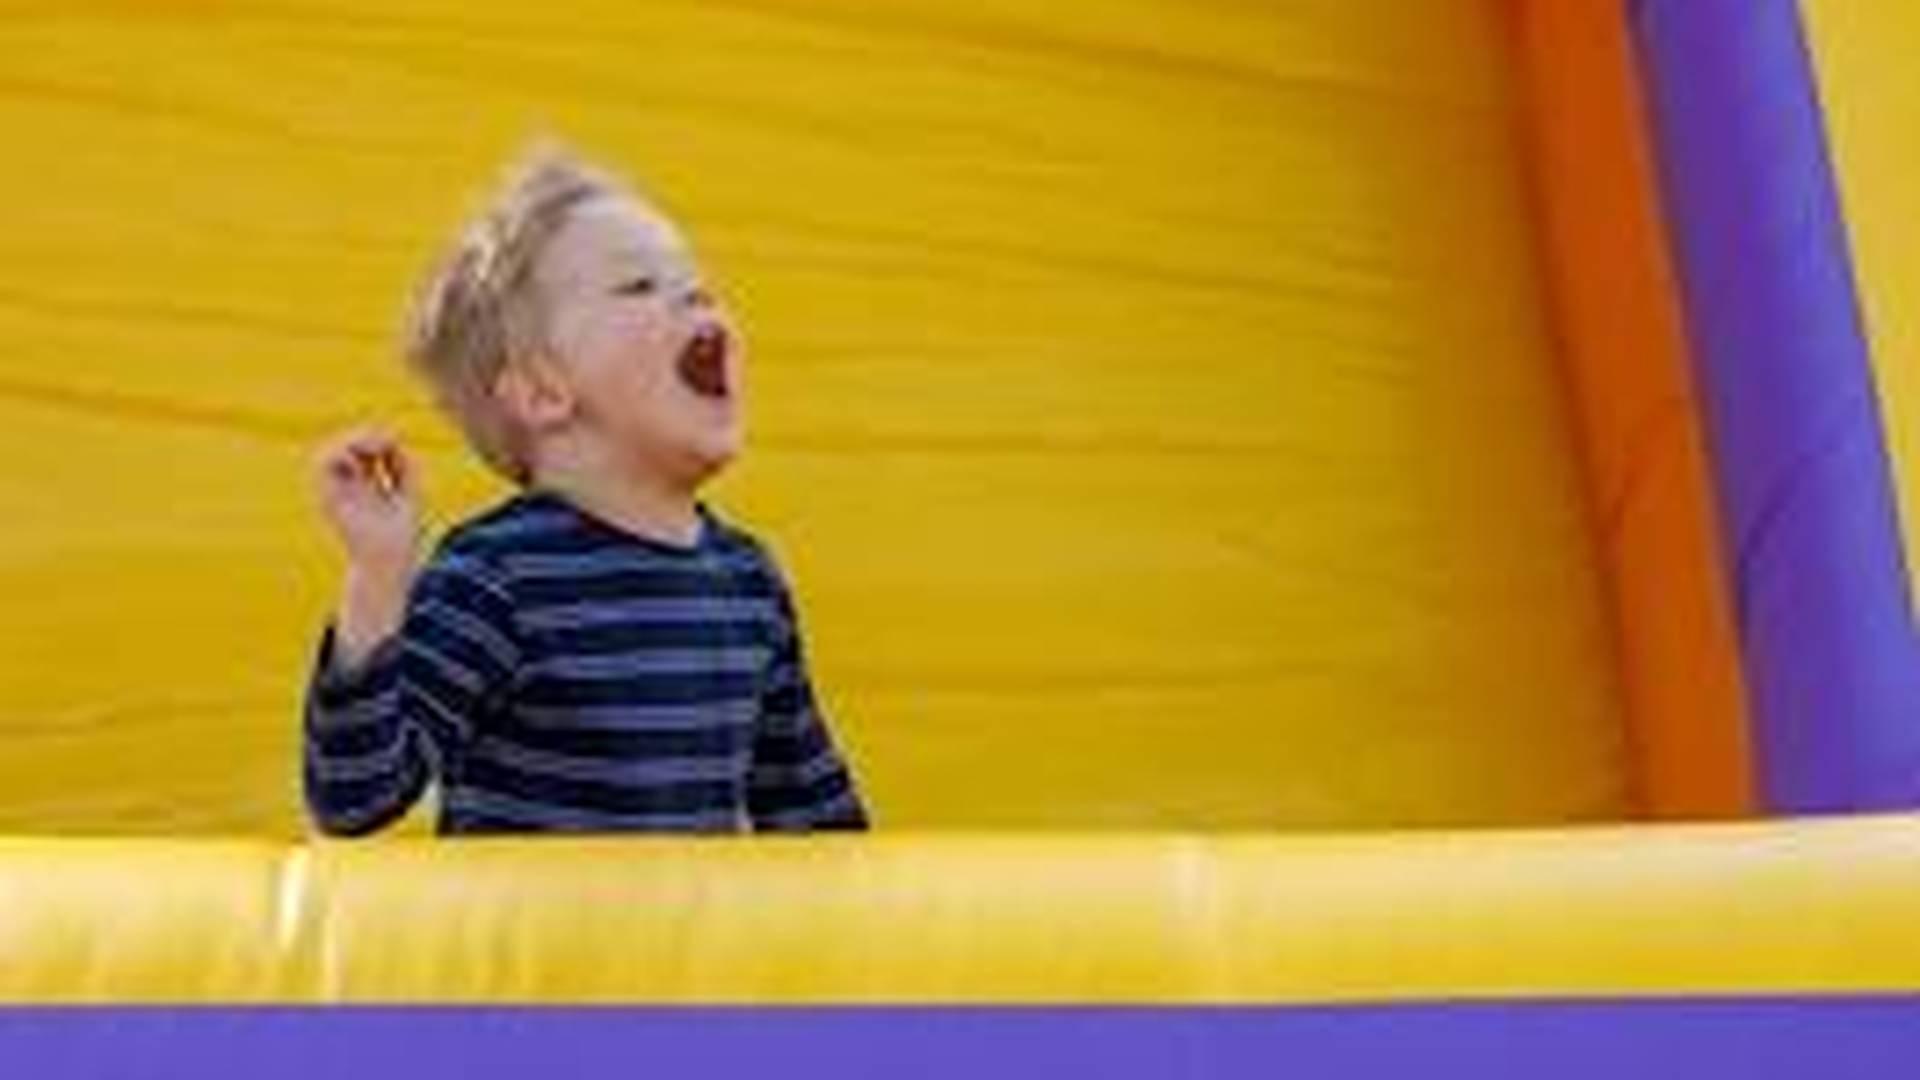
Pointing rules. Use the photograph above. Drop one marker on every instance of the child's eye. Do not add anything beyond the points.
(640, 286)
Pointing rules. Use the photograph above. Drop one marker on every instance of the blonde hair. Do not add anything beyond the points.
(480, 308)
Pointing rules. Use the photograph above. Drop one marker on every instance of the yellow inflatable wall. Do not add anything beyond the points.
(1804, 908)
(1154, 399)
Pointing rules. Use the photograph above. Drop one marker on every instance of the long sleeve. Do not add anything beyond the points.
(377, 733)
(798, 780)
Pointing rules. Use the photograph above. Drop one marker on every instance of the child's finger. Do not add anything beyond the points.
(373, 465)
(357, 467)
(400, 471)
(378, 458)
(343, 475)
(342, 470)
(362, 442)
(380, 473)
(364, 462)
(344, 447)
(337, 467)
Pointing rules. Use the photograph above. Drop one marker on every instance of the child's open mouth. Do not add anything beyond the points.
(703, 362)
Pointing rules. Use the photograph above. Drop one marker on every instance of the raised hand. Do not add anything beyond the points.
(368, 490)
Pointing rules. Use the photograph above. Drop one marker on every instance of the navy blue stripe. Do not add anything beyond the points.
(625, 717)
(619, 769)
(789, 749)
(355, 807)
(786, 697)
(614, 610)
(466, 804)
(366, 721)
(648, 662)
(469, 634)
(714, 740)
(667, 582)
(426, 681)
(332, 689)
(342, 695)
(466, 583)
(382, 763)
(843, 812)
(680, 797)
(357, 740)
(599, 638)
(433, 661)
(791, 796)
(688, 688)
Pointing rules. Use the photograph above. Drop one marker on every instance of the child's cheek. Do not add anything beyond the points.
(646, 331)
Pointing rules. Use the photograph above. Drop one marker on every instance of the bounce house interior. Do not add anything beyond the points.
(1291, 501)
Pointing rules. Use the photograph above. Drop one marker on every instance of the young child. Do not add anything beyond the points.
(600, 652)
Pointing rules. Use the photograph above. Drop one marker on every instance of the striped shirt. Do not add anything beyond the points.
(555, 672)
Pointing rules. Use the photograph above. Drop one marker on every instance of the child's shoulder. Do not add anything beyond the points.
(729, 537)
(724, 532)
(500, 528)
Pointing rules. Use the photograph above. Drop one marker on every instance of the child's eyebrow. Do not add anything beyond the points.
(674, 259)
(662, 271)
(651, 252)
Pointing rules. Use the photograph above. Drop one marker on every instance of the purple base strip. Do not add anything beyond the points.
(1832, 660)
(1753, 1039)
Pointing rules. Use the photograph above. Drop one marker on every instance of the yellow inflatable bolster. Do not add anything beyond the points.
(1645, 910)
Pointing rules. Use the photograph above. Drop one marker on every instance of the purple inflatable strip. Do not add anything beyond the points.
(1812, 536)
(1750, 1038)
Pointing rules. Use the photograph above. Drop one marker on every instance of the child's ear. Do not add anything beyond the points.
(535, 394)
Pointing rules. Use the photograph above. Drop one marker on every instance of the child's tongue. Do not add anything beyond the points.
(703, 364)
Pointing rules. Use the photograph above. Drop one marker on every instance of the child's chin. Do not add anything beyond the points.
(717, 451)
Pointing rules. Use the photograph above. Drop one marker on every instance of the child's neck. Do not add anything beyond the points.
(646, 507)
